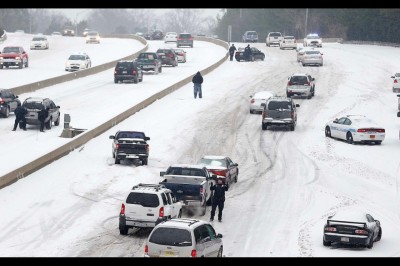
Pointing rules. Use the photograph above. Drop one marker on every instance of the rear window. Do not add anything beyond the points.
(131, 135)
(184, 171)
(38, 39)
(276, 105)
(124, 64)
(252, 33)
(146, 200)
(165, 51)
(171, 237)
(312, 52)
(76, 57)
(289, 37)
(298, 80)
(275, 34)
(185, 35)
(213, 162)
(33, 105)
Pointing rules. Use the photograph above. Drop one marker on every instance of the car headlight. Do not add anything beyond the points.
(17, 57)
(1, 58)
(67, 63)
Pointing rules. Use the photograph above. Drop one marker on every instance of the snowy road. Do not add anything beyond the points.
(289, 182)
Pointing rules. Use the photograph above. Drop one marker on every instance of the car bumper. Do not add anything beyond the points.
(396, 89)
(131, 222)
(10, 62)
(38, 47)
(366, 138)
(256, 108)
(184, 43)
(294, 45)
(347, 239)
(312, 61)
(149, 67)
(283, 122)
(74, 68)
(123, 156)
(305, 92)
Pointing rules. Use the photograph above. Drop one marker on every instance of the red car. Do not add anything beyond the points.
(221, 166)
(13, 56)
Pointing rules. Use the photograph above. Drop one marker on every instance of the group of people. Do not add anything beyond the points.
(247, 52)
(20, 113)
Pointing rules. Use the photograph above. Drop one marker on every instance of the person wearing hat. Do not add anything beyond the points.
(197, 81)
(20, 113)
(232, 50)
(218, 198)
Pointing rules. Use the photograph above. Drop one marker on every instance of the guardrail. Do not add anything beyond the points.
(83, 138)
(372, 43)
(82, 73)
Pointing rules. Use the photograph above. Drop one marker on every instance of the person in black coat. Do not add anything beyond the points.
(247, 53)
(20, 113)
(232, 50)
(218, 199)
(42, 115)
(197, 81)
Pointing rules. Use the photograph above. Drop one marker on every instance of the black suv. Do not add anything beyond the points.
(279, 111)
(130, 145)
(34, 104)
(168, 57)
(8, 102)
(128, 70)
(184, 39)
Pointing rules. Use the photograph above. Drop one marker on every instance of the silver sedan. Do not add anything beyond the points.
(312, 57)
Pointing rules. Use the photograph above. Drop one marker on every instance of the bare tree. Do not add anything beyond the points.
(185, 20)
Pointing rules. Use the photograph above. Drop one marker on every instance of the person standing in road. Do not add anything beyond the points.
(197, 81)
(232, 50)
(218, 199)
(20, 113)
(42, 115)
(248, 53)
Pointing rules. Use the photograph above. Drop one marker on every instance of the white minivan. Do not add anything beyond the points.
(184, 238)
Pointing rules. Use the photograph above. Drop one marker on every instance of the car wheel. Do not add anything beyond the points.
(124, 231)
(1, 66)
(292, 127)
(57, 122)
(220, 252)
(160, 69)
(144, 161)
(379, 234)
(115, 80)
(326, 243)
(263, 58)
(349, 138)
(135, 80)
(321, 64)
(113, 154)
(27, 63)
(251, 111)
(236, 177)
(328, 132)
(21, 64)
(117, 160)
(378, 142)
(264, 126)
(49, 123)
(371, 243)
(180, 214)
(303, 64)
(7, 113)
(309, 97)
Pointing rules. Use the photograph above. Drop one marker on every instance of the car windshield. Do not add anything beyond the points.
(11, 50)
(312, 52)
(279, 105)
(147, 56)
(312, 37)
(289, 37)
(38, 39)
(76, 57)
(252, 33)
(171, 237)
(143, 199)
(131, 135)
(92, 33)
(213, 162)
(183, 35)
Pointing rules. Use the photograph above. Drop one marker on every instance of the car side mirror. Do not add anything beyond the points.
(312, 79)
(398, 95)
(392, 77)
(16, 96)
(58, 106)
(322, 54)
(297, 105)
(335, 121)
(219, 236)
(111, 137)
(235, 164)
(147, 138)
(162, 173)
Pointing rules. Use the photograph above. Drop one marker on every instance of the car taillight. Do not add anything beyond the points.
(134, 72)
(292, 115)
(252, 101)
(155, 63)
(201, 190)
(170, 55)
(219, 172)
(194, 253)
(264, 114)
(147, 147)
(1, 101)
(191, 38)
(161, 213)
(289, 83)
(395, 81)
(146, 249)
(330, 229)
(117, 146)
(180, 39)
(380, 130)
(122, 209)
(361, 232)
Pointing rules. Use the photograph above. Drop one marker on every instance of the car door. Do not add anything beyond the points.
(215, 243)
(200, 241)
(168, 208)
(346, 127)
(336, 127)
(170, 199)
(232, 168)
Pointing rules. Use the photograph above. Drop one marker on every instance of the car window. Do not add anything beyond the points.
(312, 52)
(298, 80)
(347, 122)
(185, 35)
(276, 105)
(146, 200)
(213, 162)
(52, 105)
(211, 231)
(171, 237)
(169, 198)
(164, 198)
(341, 120)
(10, 50)
(275, 34)
(33, 105)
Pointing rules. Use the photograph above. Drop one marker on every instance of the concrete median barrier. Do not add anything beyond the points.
(84, 137)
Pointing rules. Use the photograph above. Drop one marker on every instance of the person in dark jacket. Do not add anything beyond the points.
(218, 199)
(197, 81)
(42, 115)
(232, 50)
(20, 113)
(247, 53)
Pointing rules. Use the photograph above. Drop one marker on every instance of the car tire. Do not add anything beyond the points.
(328, 132)
(49, 123)
(321, 64)
(262, 59)
(7, 112)
(144, 161)
(292, 127)
(141, 79)
(21, 64)
(160, 69)
(57, 122)
(326, 243)
(1, 66)
(124, 231)
(371, 242)
(117, 161)
(349, 138)
(219, 255)
(27, 63)
(379, 234)
(204, 209)
(264, 126)
(115, 80)
(251, 111)
(303, 64)
(236, 177)
(135, 80)
(378, 142)
(113, 154)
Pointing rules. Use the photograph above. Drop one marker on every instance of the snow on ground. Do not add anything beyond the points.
(289, 182)
(44, 64)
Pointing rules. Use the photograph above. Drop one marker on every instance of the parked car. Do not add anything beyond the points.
(168, 57)
(222, 166)
(14, 56)
(255, 54)
(250, 36)
(184, 39)
(39, 42)
(171, 37)
(312, 40)
(92, 37)
(8, 102)
(180, 54)
(288, 42)
(78, 61)
(257, 99)
(353, 227)
(355, 128)
(300, 84)
(312, 57)
(34, 104)
(279, 111)
(273, 38)
(127, 70)
(157, 35)
(184, 238)
(149, 62)
(147, 205)
(396, 83)
(68, 32)
(131, 145)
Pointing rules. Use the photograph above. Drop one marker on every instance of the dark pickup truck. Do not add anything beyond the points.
(130, 145)
(149, 62)
(190, 184)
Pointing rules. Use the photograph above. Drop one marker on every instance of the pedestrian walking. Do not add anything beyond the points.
(197, 81)
(218, 199)
(20, 113)
(42, 115)
(232, 50)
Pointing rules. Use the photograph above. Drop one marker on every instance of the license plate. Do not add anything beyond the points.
(371, 136)
(169, 253)
(124, 72)
(344, 239)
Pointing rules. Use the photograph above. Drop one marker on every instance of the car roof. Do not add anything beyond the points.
(214, 157)
(263, 94)
(196, 166)
(350, 215)
(182, 223)
(35, 99)
(280, 99)
(300, 74)
(361, 120)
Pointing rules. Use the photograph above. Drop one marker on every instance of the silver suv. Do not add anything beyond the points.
(279, 111)
(34, 104)
(300, 84)
(146, 206)
(184, 39)
(184, 238)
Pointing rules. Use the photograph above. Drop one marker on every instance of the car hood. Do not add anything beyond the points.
(9, 54)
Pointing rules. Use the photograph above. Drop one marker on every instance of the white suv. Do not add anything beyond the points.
(288, 42)
(273, 38)
(78, 61)
(312, 40)
(184, 238)
(147, 205)
(300, 84)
